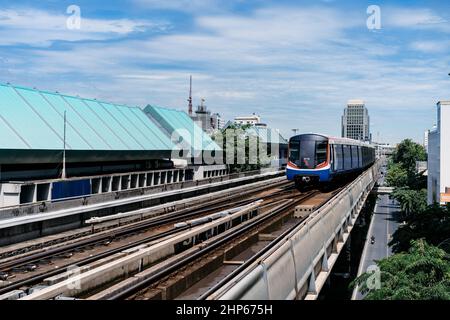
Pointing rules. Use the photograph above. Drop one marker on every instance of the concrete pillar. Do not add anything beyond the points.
(312, 283)
(325, 266)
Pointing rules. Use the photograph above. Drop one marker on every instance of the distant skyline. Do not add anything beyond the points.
(295, 63)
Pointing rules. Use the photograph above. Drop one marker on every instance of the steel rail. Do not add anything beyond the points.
(175, 216)
(107, 237)
(257, 255)
(176, 266)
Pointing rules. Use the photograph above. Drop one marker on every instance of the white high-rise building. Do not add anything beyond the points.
(439, 156)
(356, 121)
(425, 140)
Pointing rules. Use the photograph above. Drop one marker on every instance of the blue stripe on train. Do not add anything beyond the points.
(324, 175)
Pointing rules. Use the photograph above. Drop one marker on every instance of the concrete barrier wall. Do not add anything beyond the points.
(107, 196)
(292, 264)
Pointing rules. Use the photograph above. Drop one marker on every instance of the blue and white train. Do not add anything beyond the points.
(319, 159)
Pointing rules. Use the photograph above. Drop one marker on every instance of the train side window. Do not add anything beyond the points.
(364, 156)
(340, 157)
(347, 157)
(354, 157)
(352, 162)
(359, 156)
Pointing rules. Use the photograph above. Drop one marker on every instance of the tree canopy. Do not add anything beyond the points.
(431, 223)
(397, 176)
(411, 201)
(407, 153)
(423, 273)
(402, 166)
(410, 186)
(420, 269)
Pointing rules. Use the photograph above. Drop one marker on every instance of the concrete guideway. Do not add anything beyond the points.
(168, 210)
(134, 259)
(382, 227)
(298, 266)
(137, 258)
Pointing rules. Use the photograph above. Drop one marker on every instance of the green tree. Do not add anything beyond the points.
(397, 176)
(407, 153)
(402, 166)
(423, 273)
(232, 145)
(432, 224)
(411, 201)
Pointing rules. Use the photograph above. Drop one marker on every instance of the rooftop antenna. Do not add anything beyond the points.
(63, 173)
(190, 95)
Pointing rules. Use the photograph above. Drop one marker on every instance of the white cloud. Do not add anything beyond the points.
(163, 76)
(291, 65)
(430, 46)
(194, 6)
(415, 18)
(38, 27)
(281, 26)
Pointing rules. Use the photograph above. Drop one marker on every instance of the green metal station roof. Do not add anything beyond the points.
(178, 122)
(32, 129)
(34, 120)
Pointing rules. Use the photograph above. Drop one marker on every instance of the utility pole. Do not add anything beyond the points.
(63, 173)
(190, 96)
(295, 131)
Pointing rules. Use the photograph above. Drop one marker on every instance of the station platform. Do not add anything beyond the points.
(32, 225)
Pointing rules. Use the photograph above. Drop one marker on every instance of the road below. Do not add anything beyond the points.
(383, 225)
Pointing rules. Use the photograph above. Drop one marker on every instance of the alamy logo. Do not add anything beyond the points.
(373, 282)
(73, 272)
(374, 20)
(73, 22)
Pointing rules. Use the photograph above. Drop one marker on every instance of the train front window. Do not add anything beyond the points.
(307, 154)
(309, 151)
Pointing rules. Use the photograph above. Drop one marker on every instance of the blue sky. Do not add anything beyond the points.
(295, 63)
